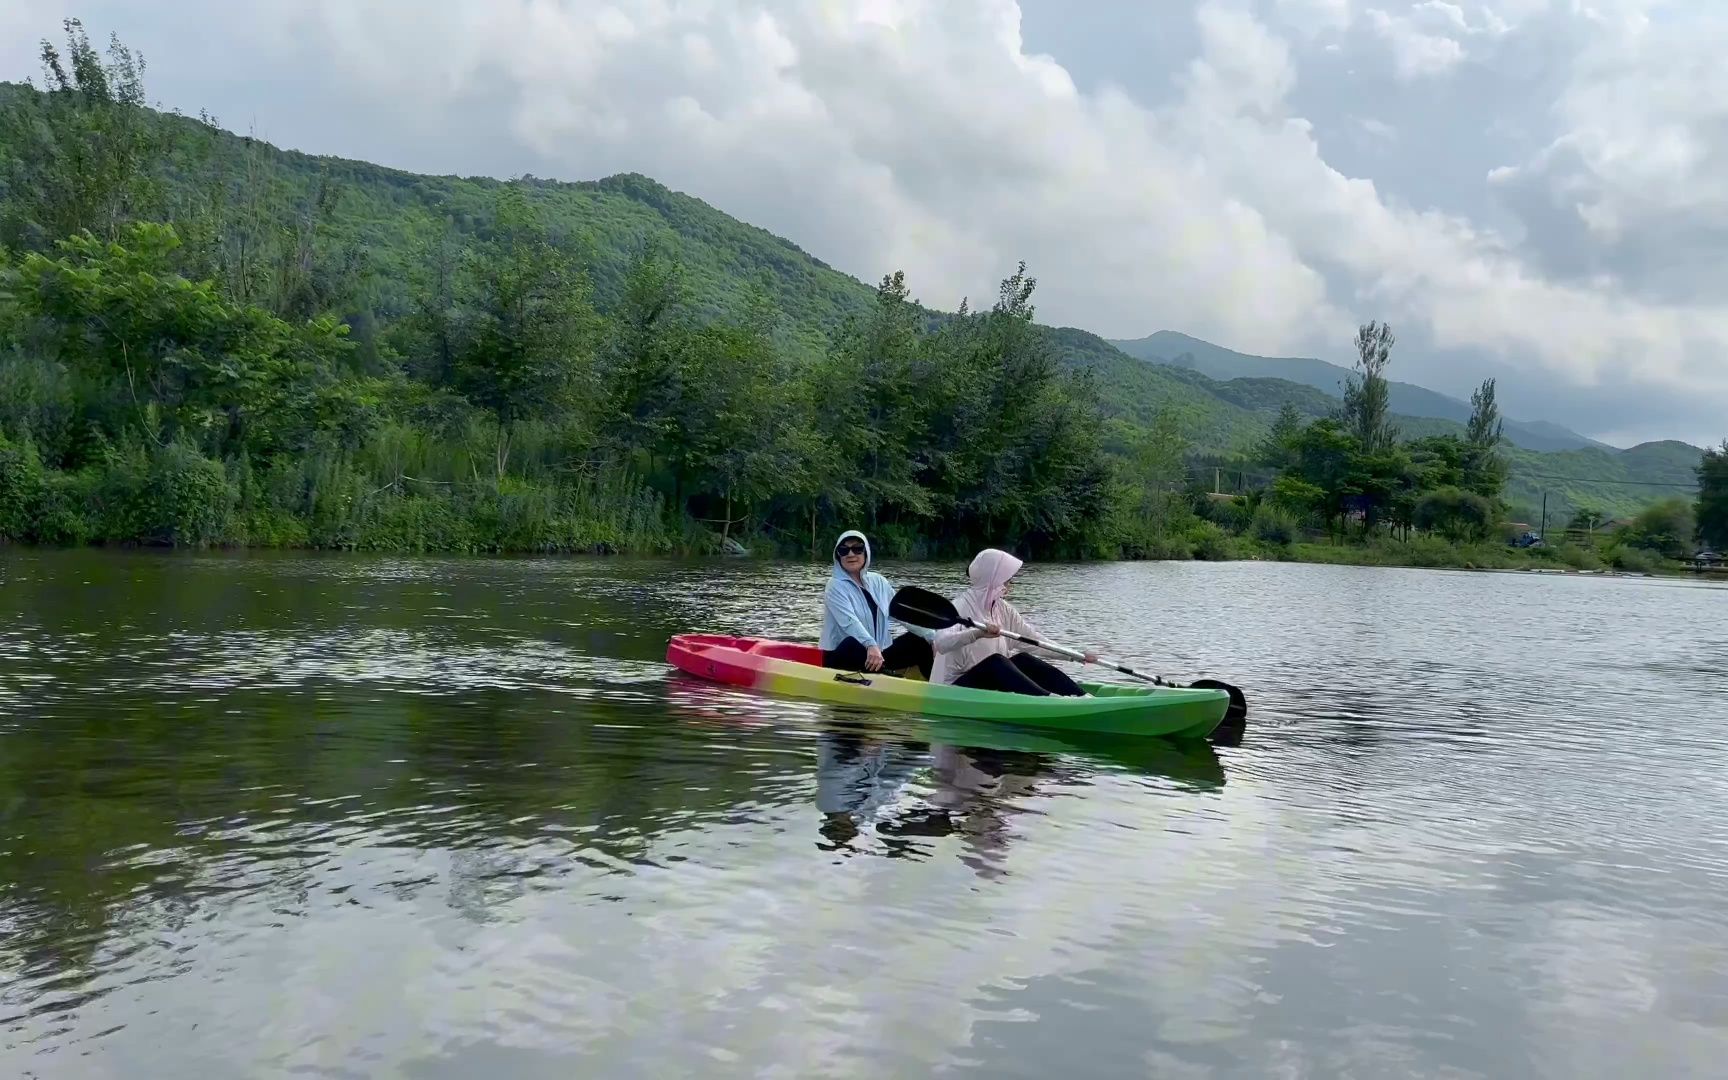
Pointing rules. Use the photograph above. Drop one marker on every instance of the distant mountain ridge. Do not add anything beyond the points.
(1217, 362)
(1225, 416)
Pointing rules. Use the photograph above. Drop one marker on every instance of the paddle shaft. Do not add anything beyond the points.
(932, 611)
(1070, 653)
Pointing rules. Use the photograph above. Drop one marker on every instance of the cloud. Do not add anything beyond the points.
(1312, 17)
(911, 135)
(22, 28)
(1418, 53)
(1428, 39)
(935, 137)
(1379, 129)
(1634, 188)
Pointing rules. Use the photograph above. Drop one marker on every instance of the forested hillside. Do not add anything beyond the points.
(204, 338)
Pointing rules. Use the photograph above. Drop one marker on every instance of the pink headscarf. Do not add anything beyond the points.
(990, 572)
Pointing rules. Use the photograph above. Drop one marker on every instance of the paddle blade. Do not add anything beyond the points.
(1235, 723)
(921, 607)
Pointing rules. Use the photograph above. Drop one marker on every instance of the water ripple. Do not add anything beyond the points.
(344, 816)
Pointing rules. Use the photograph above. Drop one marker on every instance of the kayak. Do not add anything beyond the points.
(795, 670)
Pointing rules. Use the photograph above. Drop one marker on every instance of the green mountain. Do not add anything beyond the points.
(1224, 416)
(378, 225)
(1180, 350)
(1616, 482)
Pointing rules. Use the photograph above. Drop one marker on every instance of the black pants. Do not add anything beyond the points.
(1022, 673)
(907, 650)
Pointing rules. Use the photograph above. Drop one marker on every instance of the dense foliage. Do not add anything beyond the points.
(141, 405)
(1712, 508)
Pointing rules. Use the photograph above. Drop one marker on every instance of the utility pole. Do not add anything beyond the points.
(1544, 533)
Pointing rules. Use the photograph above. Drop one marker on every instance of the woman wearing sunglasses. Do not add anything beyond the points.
(855, 617)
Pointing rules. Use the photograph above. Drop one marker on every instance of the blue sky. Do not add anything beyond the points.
(1531, 189)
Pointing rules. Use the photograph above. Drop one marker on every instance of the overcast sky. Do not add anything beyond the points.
(1532, 189)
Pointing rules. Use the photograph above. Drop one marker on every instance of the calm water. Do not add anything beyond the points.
(268, 816)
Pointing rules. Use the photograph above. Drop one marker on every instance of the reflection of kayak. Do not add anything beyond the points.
(1191, 765)
(780, 667)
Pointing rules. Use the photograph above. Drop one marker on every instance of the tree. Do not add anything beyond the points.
(1326, 464)
(1667, 528)
(80, 155)
(1485, 469)
(1277, 449)
(1153, 466)
(1712, 505)
(1367, 394)
(1454, 513)
(1485, 427)
(873, 387)
(645, 358)
(171, 358)
(741, 426)
(432, 329)
(1375, 484)
(1588, 519)
(1439, 461)
(308, 272)
(1017, 453)
(529, 348)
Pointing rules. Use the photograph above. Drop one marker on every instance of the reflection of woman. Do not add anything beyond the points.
(965, 776)
(857, 777)
(974, 792)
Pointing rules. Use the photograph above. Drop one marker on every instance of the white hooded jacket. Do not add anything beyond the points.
(959, 647)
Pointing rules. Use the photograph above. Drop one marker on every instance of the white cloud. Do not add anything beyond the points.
(1635, 185)
(913, 135)
(1417, 52)
(1430, 38)
(1311, 17)
(1380, 129)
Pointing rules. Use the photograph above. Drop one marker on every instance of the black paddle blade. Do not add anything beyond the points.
(921, 607)
(1230, 730)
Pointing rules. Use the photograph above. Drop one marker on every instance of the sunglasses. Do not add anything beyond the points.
(849, 549)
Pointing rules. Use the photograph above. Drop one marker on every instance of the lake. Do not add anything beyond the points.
(270, 815)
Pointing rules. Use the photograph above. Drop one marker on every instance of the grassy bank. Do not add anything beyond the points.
(1436, 553)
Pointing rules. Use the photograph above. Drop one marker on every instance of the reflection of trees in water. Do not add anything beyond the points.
(118, 827)
(130, 812)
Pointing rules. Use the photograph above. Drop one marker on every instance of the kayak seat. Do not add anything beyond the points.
(787, 650)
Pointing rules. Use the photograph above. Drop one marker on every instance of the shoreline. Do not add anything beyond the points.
(1380, 556)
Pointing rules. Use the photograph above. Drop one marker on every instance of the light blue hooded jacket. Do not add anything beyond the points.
(845, 612)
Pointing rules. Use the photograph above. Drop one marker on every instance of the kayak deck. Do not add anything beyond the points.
(795, 670)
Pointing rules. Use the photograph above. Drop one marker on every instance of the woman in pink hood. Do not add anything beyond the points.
(979, 656)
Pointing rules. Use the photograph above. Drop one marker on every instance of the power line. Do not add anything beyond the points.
(1598, 480)
(1257, 473)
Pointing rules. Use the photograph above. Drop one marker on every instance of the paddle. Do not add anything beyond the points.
(933, 611)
